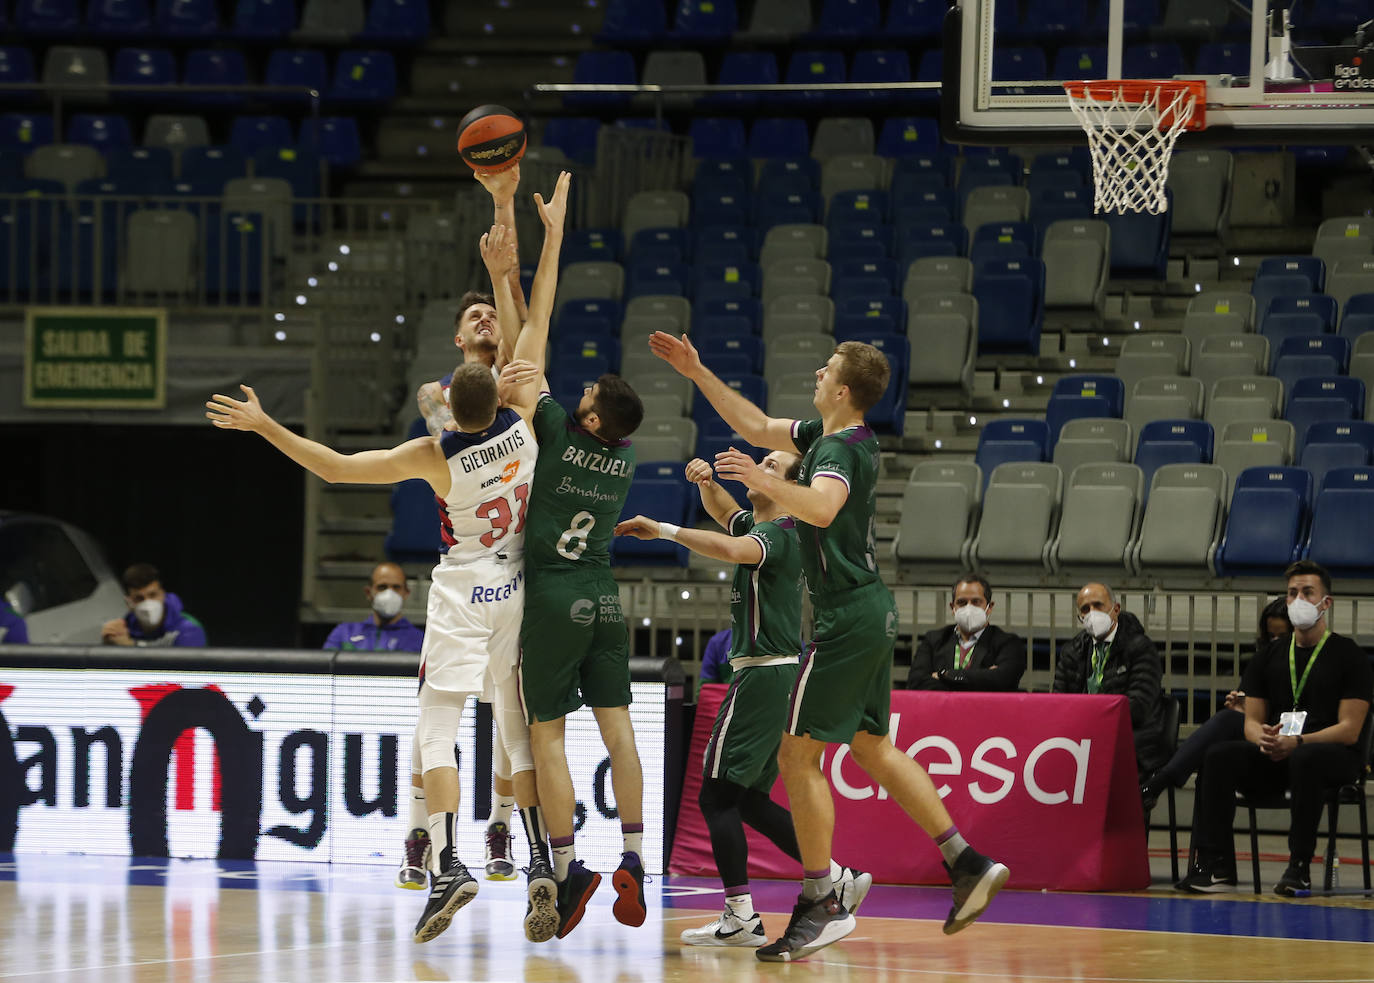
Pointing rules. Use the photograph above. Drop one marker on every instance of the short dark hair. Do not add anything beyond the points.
(973, 578)
(472, 396)
(467, 300)
(618, 406)
(1277, 608)
(138, 576)
(865, 370)
(793, 471)
(1305, 567)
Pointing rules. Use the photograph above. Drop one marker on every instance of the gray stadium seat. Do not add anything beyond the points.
(1101, 506)
(937, 275)
(795, 276)
(939, 513)
(943, 328)
(1350, 276)
(1345, 237)
(1183, 519)
(1201, 184)
(795, 240)
(648, 379)
(588, 280)
(65, 65)
(777, 365)
(161, 253)
(1252, 444)
(176, 132)
(1077, 255)
(995, 203)
(678, 309)
(851, 172)
(673, 68)
(1163, 398)
(654, 210)
(69, 163)
(1152, 354)
(816, 346)
(661, 406)
(1220, 356)
(778, 20)
(636, 328)
(1020, 515)
(1092, 440)
(271, 196)
(838, 136)
(790, 396)
(1243, 398)
(807, 314)
(1362, 368)
(659, 448)
(1218, 312)
(332, 19)
(792, 406)
(678, 428)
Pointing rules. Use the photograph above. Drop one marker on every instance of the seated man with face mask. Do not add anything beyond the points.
(386, 630)
(1113, 655)
(969, 654)
(155, 617)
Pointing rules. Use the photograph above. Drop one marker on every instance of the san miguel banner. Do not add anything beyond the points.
(1045, 783)
(268, 766)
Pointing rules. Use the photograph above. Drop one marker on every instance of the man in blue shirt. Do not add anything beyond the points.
(386, 630)
(156, 617)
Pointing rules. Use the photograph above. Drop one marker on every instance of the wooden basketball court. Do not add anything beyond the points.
(115, 920)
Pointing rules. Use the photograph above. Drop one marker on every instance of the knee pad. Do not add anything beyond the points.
(417, 766)
(500, 761)
(436, 733)
(512, 734)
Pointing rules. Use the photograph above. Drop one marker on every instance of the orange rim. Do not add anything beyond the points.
(1160, 92)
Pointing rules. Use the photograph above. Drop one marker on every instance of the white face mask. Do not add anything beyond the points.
(1097, 623)
(149, 613)
(1303, 613)
(970, 618)
(387, 603)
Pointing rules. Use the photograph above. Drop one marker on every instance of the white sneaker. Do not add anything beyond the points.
(852, 887)
(728, 930)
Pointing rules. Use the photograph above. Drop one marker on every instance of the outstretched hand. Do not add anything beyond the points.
(499, 252)
(228, 413)
(698, 472)
(739, 466)
(640, 527)
(553, 211)
(517, 374)
(680, 353)
(501, 184)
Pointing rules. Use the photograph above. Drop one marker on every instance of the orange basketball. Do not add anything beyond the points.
(491, 139)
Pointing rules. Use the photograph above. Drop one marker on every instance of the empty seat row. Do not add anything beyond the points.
(377, 20)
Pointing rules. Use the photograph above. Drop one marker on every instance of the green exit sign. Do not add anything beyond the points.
(95, 357)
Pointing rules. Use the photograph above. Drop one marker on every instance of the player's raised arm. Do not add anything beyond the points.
(718, 546)
(816, 504)
(719, 503)
(497, 247)
(418, 458)
(756, 426)
(534, 337)
(503, 187)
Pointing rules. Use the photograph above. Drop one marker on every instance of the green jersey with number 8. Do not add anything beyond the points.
(580, 484)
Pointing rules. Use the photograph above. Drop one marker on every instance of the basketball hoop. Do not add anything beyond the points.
(1132, 125)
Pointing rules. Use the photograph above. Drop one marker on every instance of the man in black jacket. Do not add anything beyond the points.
(1114, 656)
(969, 654)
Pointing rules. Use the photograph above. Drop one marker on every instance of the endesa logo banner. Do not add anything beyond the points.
(258, 765)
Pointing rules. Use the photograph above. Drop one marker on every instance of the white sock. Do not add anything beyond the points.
(419, 813)
(633, 840)
(741, 906)
(563, 856)
(500, 812)
(835, 871)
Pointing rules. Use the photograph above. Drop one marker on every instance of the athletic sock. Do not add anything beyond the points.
(500, 812)
(740, 905)
(563, 856)
(951, 844)
(835, 871)
(419, 813)
(633, 835)
(816, 884)
(535, 834)
(443, 839)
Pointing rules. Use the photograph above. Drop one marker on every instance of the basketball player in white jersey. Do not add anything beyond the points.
(482, 472)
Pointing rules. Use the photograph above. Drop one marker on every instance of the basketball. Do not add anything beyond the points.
(491, 139)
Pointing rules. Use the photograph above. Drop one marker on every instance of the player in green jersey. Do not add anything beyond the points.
(843, 690)
(740, 764)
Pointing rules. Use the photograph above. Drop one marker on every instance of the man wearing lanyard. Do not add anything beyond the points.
(970, 654)
(1306, 699)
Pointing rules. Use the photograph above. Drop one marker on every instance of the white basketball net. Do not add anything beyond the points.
(1130, 149)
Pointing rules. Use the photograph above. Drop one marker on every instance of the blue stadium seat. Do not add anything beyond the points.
(213, 166)
(725, 327)
(663, 499)
(1140, 16)
(1318, 398)
(1050, 205)
(1004, 440)
(16, 65)
(748, 308)
(779, 174)
(187, 18)
(1005, 233)
(143, 66)
(1332, 445)
(1080, 61)
(249, 134)
(1265, 288)
(587, 309)
(573, 344)
(649, 278)
(914, 19)
(719, 207)
(1013, 64)
(143, 168)
(920, 206)
(925, 171)
(714, 136)
(1077, 396)
(577, 372)
(718, 167)
(886, 315)
(214, 66)
(414, 535)
(633, 21)
(852, 268)
(786, 208)
(605, 68)
(908, 136)
(1155, 60)
(364, 77)
(333, 138)
(263, 19)
(1011, 307)
(726, 243)
(118, 18)
(104, 132)
(1320, 307)
(742, 68)
(812, 68)
(985, 170)
(856, 208)
(405, 21)
(1334, 349)
(47, 18)
(1267, 524)
(233, 251)
(574, 135)
(1342, 537)
(704, 21)
(659, 246)
(1172, 442)
(76, 267)
(880, 67)
(298, 168)
(299, 68)
(861, 241)
(847, 19)
(785, 136)
(1140, 242)
(1054, 19)
(930, 239)
(1223, 58)
(592, 246)
(750, 386)
(742, 278)
(714, 346)
(1310, 267)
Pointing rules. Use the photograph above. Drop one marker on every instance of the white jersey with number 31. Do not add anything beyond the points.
(491, 473)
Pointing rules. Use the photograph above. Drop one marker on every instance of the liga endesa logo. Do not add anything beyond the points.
(168, 714)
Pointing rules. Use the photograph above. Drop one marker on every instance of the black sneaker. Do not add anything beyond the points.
(541, 911)
(1296, 880)
(573, 894)
(452, 889)
(1208, 879)
(628, 881)
(814, 925)
(976, 879)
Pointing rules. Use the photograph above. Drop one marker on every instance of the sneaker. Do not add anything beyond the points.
(1296, 880)
(412, 872)
(499, 842)
(573, 894)
(452, 889)
(852, 887)
(728, 930)
(541, 911)
(977, 879)
(628, 881)
(814, 925)
(1208, 879)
